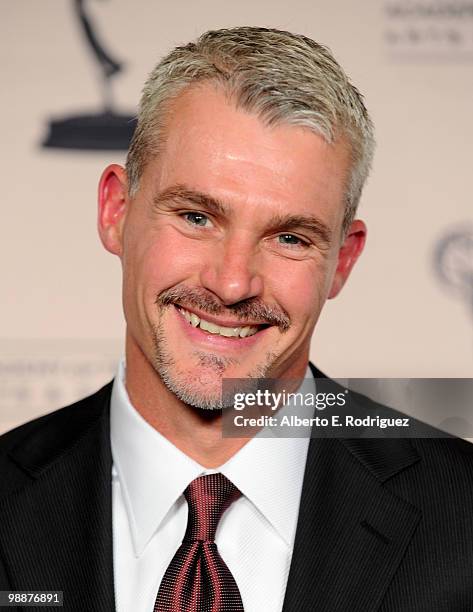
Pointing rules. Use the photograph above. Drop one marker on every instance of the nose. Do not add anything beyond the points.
(233, 271)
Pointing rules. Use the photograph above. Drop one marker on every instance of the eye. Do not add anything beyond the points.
(292, 240)
(197, 218)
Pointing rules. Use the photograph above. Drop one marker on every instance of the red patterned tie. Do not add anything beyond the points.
(197, 579)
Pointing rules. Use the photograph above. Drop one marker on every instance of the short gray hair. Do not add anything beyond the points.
(283, 78)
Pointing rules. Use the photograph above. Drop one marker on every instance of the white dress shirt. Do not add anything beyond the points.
(255, 536)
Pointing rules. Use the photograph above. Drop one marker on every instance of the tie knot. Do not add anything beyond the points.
(207, 497)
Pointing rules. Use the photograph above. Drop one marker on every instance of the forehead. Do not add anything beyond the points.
(213, 147)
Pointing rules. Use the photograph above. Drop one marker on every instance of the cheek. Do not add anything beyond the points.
(303, 288)
(159, 260)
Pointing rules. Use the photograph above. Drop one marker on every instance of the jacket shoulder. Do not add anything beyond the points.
(30, 448)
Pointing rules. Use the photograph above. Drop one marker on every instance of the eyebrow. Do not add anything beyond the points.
(180, 194)
(309, 223)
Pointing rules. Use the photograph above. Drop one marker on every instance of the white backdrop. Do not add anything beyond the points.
(61, 323)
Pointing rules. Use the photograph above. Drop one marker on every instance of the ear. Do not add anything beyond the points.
(348, 254)
(112, 207)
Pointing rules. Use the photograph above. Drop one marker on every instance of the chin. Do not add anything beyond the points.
(200, 387)
(200, 384)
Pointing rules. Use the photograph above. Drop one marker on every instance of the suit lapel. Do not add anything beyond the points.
(352, 531)
(56, 530)
(351, 534)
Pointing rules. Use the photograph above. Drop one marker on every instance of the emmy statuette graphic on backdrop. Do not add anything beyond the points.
(105, 130)
(453, 262)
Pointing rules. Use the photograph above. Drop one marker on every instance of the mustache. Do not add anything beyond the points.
(252, 309)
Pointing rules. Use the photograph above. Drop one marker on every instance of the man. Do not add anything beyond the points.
(234, 221)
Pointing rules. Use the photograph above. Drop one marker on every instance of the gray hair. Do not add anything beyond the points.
(283, 78)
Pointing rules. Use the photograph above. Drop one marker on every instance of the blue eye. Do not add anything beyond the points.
(196, 218)
(291, 240)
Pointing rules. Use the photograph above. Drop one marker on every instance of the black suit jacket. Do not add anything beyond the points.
(384, 525)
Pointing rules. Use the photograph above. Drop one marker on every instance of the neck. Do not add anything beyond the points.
(197, 433)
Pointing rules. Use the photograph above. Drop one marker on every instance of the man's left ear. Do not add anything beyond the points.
(348, 254)
(112, 207)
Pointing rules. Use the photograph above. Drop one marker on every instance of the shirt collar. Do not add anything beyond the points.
(268, 471)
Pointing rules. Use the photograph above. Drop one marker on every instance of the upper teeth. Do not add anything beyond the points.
(195, 321)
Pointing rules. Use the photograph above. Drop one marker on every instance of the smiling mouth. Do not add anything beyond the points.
(219, 330)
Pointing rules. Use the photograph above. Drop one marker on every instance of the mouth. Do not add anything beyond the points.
(227, 331)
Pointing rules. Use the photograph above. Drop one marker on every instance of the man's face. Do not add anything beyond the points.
(230, 247)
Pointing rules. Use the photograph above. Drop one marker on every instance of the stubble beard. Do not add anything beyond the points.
(190, 387)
